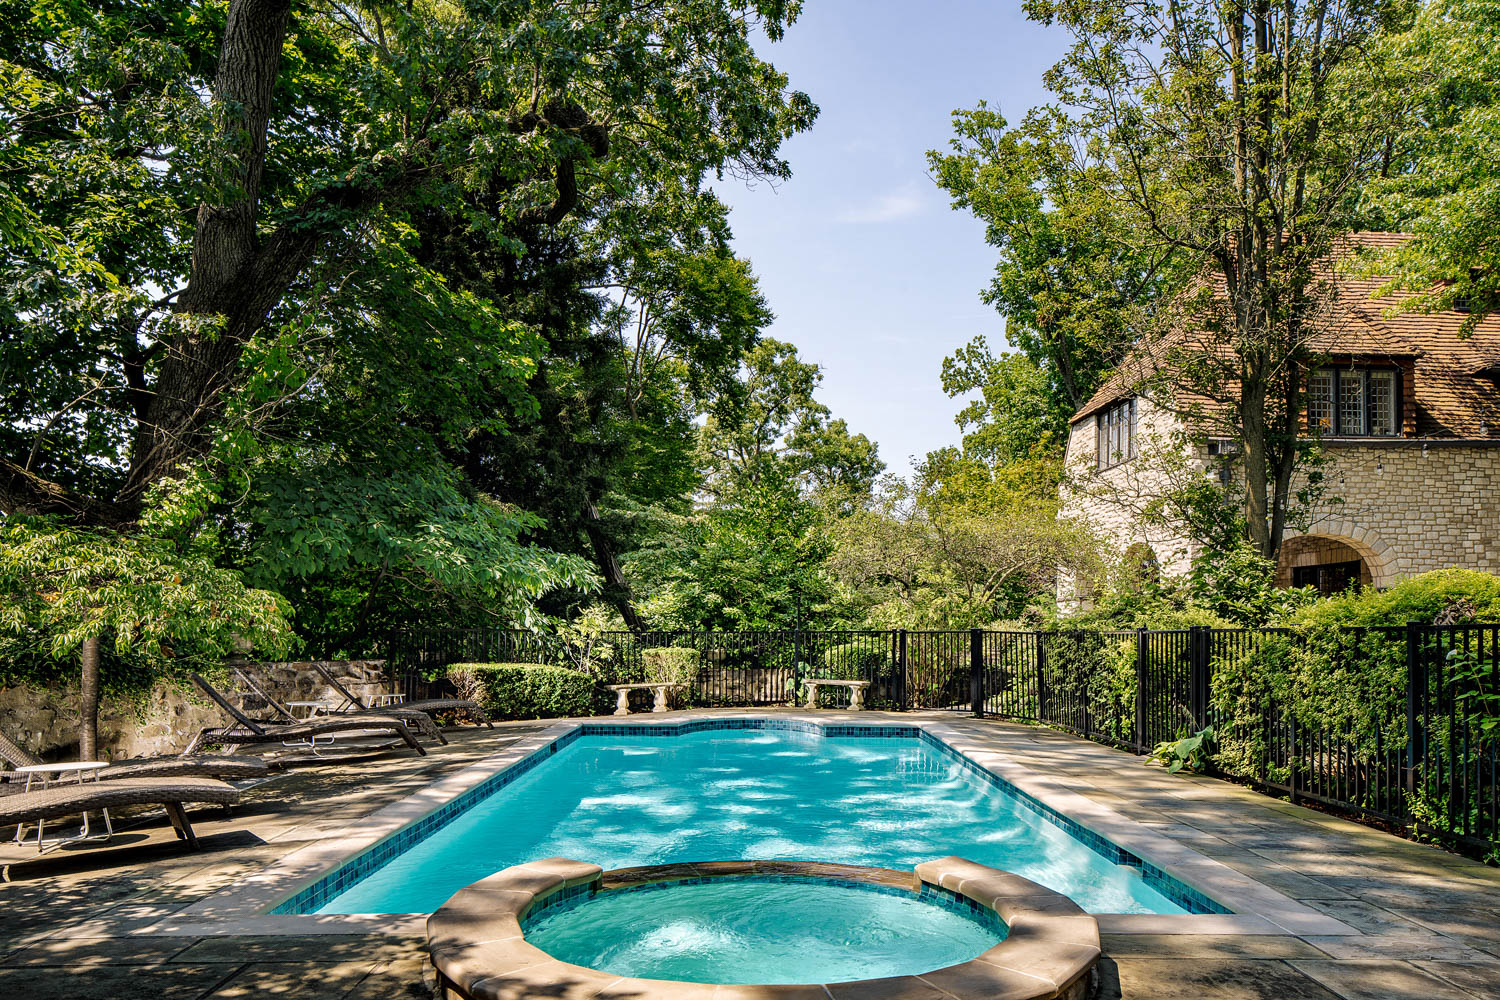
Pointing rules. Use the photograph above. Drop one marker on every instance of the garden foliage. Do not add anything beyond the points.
(156, 608)
(670, 665)
(527, 690)
(1340, 665)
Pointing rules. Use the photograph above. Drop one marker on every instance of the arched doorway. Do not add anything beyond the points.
(1329, 563)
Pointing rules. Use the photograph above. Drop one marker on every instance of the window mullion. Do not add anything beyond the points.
(1337, 404)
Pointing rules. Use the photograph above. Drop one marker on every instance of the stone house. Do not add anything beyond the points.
(1407, 408)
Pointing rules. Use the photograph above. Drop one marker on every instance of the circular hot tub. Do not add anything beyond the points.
(764, 928)
(560, 928)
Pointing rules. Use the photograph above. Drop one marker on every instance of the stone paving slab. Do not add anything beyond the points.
(296, 980)
(118, 982)
(1428, 922)
(1376, 980)
(1168, 979)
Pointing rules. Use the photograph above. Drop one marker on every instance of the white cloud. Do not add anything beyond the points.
(891, 207)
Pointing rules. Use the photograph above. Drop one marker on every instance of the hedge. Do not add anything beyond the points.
(1341, 669)
(527, 690)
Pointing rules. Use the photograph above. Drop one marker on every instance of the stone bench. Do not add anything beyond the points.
(622, 695)
(856, 691)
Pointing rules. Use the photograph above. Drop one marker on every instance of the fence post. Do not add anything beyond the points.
(1142, 655)
(1292, 757)
(1198, 674)
(1413, 666)
(976, 671)
(1041, 679)
(901, 670)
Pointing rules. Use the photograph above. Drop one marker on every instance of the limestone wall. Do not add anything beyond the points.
(1407, 505)
(1109, 500)
(1408, 509)
(45, 721)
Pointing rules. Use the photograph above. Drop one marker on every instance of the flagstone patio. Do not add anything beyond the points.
(1427, 922)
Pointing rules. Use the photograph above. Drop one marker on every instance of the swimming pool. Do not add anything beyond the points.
(742, 788)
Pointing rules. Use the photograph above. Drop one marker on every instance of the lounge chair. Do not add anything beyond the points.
(248, 730)
(417, 720)
(71, 799)
(226, 767)
(428, 705)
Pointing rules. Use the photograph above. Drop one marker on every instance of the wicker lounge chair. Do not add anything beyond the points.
(248, 730)
(420, 721)
(421, 705)
(226, 767)
(67, 800)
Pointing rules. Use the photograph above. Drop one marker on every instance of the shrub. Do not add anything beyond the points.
(670, 665)
(526, 690)
(1343, 668)
(1442, 597)
(853, 661)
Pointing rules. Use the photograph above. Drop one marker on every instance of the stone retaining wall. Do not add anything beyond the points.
(45, 721)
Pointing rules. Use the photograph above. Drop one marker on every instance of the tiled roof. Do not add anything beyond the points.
(1457, 378)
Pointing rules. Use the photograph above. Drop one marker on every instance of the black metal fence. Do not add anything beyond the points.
(1417, 746)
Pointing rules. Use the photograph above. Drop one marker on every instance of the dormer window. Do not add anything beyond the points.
(1116, 429)
(1354, 402)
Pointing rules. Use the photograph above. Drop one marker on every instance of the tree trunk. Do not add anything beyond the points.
(616, 587)
(196, 369)
(88, 701)
(1257, 505)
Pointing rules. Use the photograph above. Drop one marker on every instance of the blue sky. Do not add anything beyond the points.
(869, 271)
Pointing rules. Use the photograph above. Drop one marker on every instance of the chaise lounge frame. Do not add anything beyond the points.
(421, 705)
(420, 721)
(229, 767)
(252, 731)
(96, 796)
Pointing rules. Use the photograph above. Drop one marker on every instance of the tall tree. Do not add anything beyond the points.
(772, 425)
(320, 124)
(1070, 271)
(1215, 130)
(1442, 179)
(351, 246)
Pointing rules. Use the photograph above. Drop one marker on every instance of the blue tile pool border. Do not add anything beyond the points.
(313, 896)
(937, 895)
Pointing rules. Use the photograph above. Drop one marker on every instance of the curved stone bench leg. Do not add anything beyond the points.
(812, 694)
(622, 702)
(660, 704)
(856, 699)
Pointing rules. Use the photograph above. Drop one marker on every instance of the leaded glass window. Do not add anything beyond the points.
(1116, 428)
(1382, 403)
(1320, 402)
(1354, 402)
(1351, 402)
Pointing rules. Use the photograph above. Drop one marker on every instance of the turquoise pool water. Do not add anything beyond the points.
(726, 794)
(763, 930)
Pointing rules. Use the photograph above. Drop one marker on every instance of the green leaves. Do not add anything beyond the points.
(152, 604)
(420, 313)
(1191, 752)
(1442, 178)
(1071, 268)
(416, 529)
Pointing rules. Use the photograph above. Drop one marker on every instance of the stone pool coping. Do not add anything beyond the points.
(242, 907)
(480, 952)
